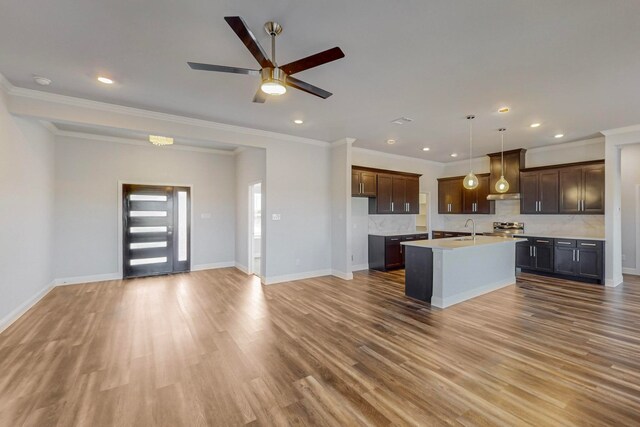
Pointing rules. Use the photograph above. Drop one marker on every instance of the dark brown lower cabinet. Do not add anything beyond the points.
(386, 252)
(573, 259)
(436, 234)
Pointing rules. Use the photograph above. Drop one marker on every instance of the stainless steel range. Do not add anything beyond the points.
(506, 229)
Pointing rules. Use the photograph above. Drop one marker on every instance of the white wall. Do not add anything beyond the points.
(26, 212)
(630, 180)
(298, 181)
(86, 201)
(250, 168)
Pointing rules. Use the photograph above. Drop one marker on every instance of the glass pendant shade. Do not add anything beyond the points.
(502, 186)
(470, 181)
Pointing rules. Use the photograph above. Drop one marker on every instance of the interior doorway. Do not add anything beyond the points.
(255, 229)
(156, 230)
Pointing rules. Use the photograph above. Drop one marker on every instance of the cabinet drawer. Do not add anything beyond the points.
(447, 235)
(542, 241)
(408, 238)
(566, 243)
(422, 237)
(590, 244)
(392, 239)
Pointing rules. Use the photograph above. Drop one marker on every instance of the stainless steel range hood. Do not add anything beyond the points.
(506, 196)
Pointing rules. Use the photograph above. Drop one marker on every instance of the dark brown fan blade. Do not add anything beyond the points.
(223, 69)
(313, 61)
(306, 87)
(260, 96)
(240, 28)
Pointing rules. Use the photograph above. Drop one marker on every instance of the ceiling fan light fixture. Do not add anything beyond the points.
(273, 81)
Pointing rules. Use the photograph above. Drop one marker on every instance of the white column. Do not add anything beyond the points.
(341, 208)
(612, 218)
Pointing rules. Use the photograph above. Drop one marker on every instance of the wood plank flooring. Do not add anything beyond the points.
(215, 348)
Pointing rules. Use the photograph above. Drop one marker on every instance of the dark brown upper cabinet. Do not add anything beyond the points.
(513, 162)
(389, 192)
(363, 183)
(539, 191)
(582, 189)
(475, 201)
(450, 195)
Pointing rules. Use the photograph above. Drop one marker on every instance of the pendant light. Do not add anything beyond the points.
(470, 181)
(502, 186)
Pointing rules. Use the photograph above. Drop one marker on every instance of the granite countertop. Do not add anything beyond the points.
(562, 236)
(418, 230)
(461, 243)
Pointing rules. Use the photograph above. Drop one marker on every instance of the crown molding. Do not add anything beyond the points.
(50, 127)
(567, 145)
(129, 141)
(396, 156)
(343, 141)
(148, 114)
(619, 131)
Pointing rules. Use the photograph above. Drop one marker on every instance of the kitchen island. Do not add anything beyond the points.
(445, 272)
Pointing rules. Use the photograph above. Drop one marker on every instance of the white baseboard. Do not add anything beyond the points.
(296, 276)
(612, 283)
(213, 266)
(464, 296)
(242, 268)
(342, 275)
(7, 320)
(359, 267)
(86, 279)
(632, 271)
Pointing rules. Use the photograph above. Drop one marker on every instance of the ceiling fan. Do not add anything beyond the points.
(275, 78)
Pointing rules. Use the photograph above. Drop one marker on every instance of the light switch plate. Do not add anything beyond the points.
(275, 217)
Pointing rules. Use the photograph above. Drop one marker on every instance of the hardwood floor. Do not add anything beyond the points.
(217, 348)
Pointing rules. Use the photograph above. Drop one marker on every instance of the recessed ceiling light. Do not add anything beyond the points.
(454, 154)
(426, 149)
(160, 140)
(391, 141)
(534, 125)
(42, 81)
(298, 121)
(105, 80)
(559, 135)
(503, 110)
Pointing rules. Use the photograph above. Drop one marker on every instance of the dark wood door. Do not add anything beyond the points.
(383, 199)
(543, 257)
(529, 192)
(564, 260)
(368, 180)
(443, 204)
(413, 195)
(570, 186)
(398, 194)
(512, 165)
(484, 206)
(355, 183)
(156, 230)
(393, 255)
(593, 189)
(524, 254)
(469, 199)
(589, 262)
(548, 192)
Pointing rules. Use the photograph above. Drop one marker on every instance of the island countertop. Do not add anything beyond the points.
(461, 242)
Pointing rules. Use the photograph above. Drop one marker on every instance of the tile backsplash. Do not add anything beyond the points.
(401, 223)
(509, 210)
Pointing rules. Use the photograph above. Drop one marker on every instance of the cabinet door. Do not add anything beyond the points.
(355, 183)
(484, 206)
(511, 171)
(383, 200)
(392, 254)
(589, 263)
(413, 195)
(442, 197)
(398, 194)
(570, 182)
(544, 257)
(529, 192)
(368, 180)
(564, 260)
(548, 192)
(593, 189)
(437, 235)
(523, 255)
(455, 195)
(469, 199)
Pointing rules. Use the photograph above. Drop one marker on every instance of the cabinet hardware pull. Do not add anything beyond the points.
(582, 209)
(578, 251)
(530, 251)
(564, 243)
(573, 254)
(587, 244)
(535, 252)
(537, 205)
(540, 206)
(542, 241)
(392, 206)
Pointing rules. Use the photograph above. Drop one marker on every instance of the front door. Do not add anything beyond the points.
(156, 230)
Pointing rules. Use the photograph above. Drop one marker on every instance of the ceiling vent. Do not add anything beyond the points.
(402, 120)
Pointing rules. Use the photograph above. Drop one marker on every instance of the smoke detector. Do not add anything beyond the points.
(42, 81)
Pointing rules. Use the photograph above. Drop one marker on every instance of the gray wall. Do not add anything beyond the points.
(26, 212)
(630, 180)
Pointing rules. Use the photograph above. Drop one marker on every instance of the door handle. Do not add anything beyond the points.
(392, 206)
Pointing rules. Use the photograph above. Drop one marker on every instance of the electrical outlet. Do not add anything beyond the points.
(276, 217)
